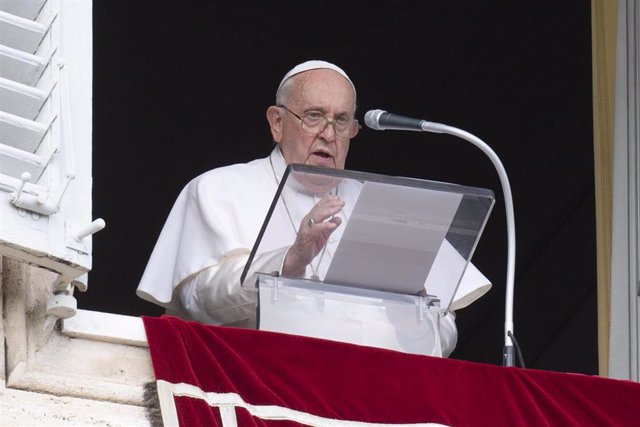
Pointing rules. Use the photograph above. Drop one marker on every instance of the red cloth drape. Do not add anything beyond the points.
(348, 382)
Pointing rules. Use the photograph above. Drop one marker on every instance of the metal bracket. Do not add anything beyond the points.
(75, 237)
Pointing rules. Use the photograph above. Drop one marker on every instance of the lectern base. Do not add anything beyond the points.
(405, 323)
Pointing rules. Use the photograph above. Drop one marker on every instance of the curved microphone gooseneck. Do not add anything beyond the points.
(382, 120)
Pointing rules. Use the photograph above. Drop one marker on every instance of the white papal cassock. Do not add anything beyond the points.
(194, 270)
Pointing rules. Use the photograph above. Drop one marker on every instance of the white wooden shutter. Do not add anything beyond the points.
(45, 134)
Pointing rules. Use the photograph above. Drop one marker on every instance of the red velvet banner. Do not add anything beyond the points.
(258, 373)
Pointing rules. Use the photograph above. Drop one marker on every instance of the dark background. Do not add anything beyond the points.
(181, 88)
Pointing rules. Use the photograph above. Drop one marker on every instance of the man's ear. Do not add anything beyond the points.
(274, 117)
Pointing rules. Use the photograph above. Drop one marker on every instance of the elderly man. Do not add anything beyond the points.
(194, 271)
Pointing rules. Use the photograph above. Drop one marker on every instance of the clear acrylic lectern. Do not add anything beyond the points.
(388, 272)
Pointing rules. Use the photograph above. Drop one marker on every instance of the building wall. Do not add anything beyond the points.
(50, 375)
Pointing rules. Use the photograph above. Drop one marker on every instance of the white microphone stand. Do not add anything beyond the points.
(508, 353)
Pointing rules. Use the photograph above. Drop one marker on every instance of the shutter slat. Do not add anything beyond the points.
(19, 33)
(28, 9)
(21, 133)
(21, 100)
(16, 161)
(20, 66)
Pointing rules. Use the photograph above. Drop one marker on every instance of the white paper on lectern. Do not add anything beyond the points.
(392, 237)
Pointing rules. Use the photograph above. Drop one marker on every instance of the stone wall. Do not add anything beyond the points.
(49, 376)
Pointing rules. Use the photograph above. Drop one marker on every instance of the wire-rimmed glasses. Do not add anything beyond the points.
(314, 122)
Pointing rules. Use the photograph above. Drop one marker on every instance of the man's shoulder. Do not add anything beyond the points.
(234, 175)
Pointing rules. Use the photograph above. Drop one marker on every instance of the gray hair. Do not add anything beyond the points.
(286, 88)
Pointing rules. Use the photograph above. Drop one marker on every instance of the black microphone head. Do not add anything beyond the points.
(372, 119)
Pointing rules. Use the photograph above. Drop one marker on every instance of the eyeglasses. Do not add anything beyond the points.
(314, 122)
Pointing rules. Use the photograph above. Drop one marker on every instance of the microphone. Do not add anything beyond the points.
(382, 120)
